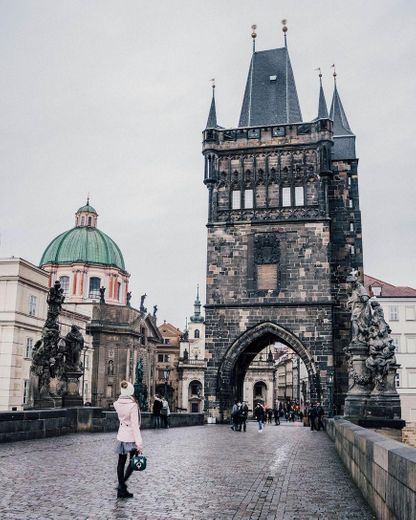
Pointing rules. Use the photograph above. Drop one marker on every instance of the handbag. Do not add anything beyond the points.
(138, 462)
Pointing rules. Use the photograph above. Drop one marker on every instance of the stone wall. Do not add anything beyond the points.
(383, 469)
(36, 424)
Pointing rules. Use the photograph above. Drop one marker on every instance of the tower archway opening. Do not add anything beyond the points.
(255, 346)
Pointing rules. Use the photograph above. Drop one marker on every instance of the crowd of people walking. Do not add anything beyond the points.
(311, 415)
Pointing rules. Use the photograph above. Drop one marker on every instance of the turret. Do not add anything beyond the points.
(344, 138)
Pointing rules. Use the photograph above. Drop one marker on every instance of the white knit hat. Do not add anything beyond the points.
(128, 390)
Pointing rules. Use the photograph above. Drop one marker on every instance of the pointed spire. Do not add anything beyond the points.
(337, 113)
(322, 106)
(270, 96)
(212, 117)
(254, 36)
(196, 317)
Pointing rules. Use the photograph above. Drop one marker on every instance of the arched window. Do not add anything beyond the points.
(197, 333)
(110, 368)
(65, 284)
(118, 288)
(94, 290)
(82, 221)
(89, 221)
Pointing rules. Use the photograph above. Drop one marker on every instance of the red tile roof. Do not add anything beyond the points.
(387, 289)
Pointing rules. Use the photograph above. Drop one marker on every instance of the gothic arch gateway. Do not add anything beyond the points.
(241, 353)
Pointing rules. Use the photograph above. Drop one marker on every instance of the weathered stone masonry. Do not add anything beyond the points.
(284, 229)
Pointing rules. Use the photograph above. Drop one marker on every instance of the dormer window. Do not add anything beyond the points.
(376, 290)
(273, 78)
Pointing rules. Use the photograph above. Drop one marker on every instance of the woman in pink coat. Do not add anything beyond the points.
(129, 439)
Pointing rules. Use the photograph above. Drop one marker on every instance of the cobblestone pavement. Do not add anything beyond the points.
(202, 472)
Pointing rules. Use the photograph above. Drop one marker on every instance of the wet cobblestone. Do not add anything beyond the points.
(203, 472)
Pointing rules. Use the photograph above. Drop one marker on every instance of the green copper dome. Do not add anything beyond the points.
(87, 208)
(83, 244)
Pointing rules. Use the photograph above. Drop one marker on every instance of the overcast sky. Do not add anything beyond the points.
(110, 98)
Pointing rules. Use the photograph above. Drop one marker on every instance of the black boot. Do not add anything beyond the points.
(122, 492)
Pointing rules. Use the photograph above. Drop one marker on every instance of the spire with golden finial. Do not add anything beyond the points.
(284, 29)
(254, 36)
(322, 106)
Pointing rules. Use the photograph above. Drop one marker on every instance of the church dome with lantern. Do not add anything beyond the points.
(85, 260)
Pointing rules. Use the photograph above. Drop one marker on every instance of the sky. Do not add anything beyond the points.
(110, 98)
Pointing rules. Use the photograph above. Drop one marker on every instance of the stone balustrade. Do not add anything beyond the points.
(383, 469)
(36, 424)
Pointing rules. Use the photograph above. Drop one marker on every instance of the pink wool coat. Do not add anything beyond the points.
(128, 415)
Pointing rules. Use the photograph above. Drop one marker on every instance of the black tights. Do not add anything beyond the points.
(123, 477)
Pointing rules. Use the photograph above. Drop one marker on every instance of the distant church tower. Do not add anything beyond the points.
(284, 228)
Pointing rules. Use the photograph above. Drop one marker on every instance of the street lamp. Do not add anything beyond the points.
(166, 372)
(330, 383)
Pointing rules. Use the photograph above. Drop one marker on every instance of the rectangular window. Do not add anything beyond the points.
(32, 305)
(376, 290)
(94, 289)
(410, 313)
(248, 199)
(411, 344)
(394, 313)
(351, 203)
(351, 227)
(167, 358)
(266, 277)
(397, 380)
(160, 358)
(299, 196)
(352, 250)
(349, 181)
(236, 199)
(29, 348)
(286, 198)
(411, 377)
(396, 341)
(64, 284)
(26, 391)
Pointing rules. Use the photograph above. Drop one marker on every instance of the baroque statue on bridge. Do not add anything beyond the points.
(370, 355)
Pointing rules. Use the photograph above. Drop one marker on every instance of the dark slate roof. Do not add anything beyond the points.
(212, 116)
(268, 101)
(322, 107)
(344, 148)
(341, 126)
(344, 138)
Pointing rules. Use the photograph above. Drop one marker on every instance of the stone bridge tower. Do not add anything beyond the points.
(284, 227)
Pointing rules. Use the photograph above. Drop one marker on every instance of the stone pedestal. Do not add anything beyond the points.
(45, 397)
(385, 401)
(71, 396)
(358, 380)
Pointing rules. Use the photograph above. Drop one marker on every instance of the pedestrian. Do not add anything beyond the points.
(164, 413)
(259, 415)
(235, 416)
(157, 407)
(129, 439)
(243, 416)
(276, 413)
(269, 415)
(319, 415)
(312, 416)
